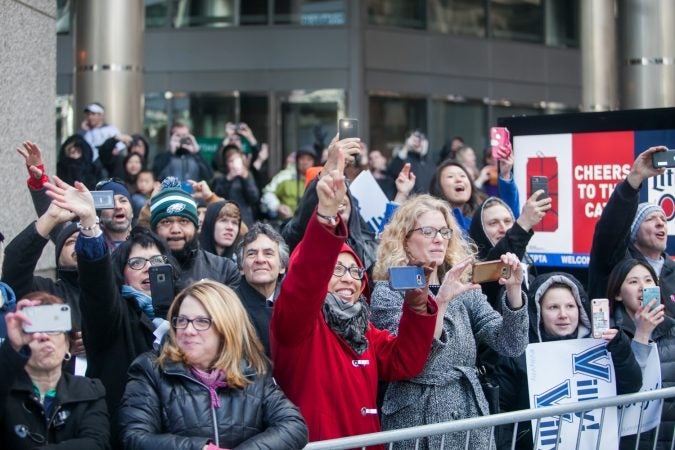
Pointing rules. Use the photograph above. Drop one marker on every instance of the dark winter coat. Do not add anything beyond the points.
(114, 330)
(258, 311)
(78, 418)
(664, 337)
(511, 373)
(82, 169)
(611, 244)
(242, 191)
(21, 258)
(166, 407)
(202, 264)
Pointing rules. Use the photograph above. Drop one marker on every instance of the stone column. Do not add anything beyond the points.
(599, 67)
(27, 111)
(109, 60)
(647, 46)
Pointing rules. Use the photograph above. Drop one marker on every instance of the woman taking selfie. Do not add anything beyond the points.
(209, 387)
(42, 406)
(327, 355)
(423, 231)
(645, 324)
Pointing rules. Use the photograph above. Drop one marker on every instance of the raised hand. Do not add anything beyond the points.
(350, 148)
(76, 199)
(514, 282)
(14, 321)
(405, 182)
(647, 319)
(642, 167)
(200, 190)
(331, 188)
(453, 286)
(33, 155)
(534, 211)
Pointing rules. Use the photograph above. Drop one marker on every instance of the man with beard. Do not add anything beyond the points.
(173, 216)
(23, 253)
(262, 257)
(116, 223)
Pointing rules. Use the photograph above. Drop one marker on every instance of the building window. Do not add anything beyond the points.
(562, 23)
(465, 17)
(310, 12)
(204, 13)
(156, 13)
(467, 120)
(63, 8)
(398, 13)
(518, 20)
(392, 119)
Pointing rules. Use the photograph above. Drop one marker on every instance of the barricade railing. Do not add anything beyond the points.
(492, 421)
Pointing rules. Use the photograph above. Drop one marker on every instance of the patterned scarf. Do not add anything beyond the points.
(213, 380)
(349, 321)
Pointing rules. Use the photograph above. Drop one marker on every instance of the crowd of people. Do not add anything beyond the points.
(282, 326)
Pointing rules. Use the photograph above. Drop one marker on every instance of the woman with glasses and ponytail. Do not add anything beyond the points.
(210, 387)
(41, 405)
(119, 321)
(423, 231)
(327, 356)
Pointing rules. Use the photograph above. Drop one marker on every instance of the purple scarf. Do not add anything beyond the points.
(213, 380)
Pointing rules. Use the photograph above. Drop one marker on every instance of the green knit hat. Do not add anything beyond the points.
(172, 201)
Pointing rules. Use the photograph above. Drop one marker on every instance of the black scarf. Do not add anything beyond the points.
(349, 321)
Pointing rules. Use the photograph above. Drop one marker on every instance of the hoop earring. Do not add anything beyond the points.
(67, 357)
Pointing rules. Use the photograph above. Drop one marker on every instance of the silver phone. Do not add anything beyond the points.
(47, 319)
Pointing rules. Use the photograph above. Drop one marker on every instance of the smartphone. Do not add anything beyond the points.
(185, 141)
(500, 137)
(161, 288)
(600, 316)
(348, 128)
(483, 272)
(539, 183)
(238, 163)
(663, 159)
(406, 277)
(649, 294)
(103, 199)
(186, 187)
(47, 318)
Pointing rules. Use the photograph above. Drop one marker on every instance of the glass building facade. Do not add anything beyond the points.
(290, 68)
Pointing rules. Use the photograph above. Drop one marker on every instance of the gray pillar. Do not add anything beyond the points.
(28, 92)
(647, 30)
(599, 67)
(109, 60)
(357, 99)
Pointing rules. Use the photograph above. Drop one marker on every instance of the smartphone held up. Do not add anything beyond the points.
(487, 271)
(599, 316)
(47, 319)
(500, 142)
(348, 128)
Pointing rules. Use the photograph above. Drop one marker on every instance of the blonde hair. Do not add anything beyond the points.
(391, 252)
(230, 320)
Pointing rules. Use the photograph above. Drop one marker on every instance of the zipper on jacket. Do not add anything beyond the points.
(216, 436)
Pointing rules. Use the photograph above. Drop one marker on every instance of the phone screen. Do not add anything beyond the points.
(103, 199)
(600, 316)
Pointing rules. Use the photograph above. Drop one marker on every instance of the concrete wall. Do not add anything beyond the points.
(28, 93)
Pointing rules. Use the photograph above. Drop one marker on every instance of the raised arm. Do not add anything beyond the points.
(311, 266)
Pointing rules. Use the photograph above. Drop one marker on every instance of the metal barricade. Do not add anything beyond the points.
(492, 421)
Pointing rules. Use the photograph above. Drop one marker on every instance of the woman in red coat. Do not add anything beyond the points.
(327, 356)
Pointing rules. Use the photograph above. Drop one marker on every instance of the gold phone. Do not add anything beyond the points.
(483, 272)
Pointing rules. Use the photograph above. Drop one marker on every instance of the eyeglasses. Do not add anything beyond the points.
(354, 272)
(102, 183)
(198, 323)
(430, 232)
(138, 262)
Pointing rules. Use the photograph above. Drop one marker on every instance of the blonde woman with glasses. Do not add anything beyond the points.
(424, 232)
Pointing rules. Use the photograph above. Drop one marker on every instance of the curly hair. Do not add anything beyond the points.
(238, 339)
(391, 251)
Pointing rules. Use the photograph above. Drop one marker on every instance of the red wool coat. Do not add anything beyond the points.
(334, 387)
